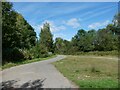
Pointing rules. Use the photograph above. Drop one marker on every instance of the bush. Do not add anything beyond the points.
(27, 54)
(12, 55)
(17, 54)
(39, 51)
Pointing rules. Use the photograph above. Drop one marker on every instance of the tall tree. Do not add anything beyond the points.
(46, 37)
(104, 40)
(26, 32)
(16, 33)
(9, 30)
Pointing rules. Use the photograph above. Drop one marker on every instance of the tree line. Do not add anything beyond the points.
(19, 40)
(17, 34)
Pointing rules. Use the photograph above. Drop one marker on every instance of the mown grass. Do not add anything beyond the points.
(88, 72)
(11, 64)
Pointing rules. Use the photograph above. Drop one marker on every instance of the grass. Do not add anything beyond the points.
(99, 53)
(88, 72)
(11, 64)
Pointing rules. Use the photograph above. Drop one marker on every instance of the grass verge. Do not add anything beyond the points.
(89, 72)
(11, 64)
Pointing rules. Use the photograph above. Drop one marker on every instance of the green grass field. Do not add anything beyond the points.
(89, 72)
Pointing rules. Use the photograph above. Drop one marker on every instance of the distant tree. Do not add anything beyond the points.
(46, 37)
(59, 44)
(67, 47)
(104, 40)
(112, 30)
(90, 40)
(116, 21)
(78, 40)
(62, 46)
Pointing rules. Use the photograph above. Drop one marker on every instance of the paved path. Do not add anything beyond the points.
(42, 70)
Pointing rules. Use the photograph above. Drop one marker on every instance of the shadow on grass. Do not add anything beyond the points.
(10, 85)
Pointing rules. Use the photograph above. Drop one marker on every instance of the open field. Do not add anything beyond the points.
(90, 71)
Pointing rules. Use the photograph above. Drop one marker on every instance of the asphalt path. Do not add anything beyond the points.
(40, 74)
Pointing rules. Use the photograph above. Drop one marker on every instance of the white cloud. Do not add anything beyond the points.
(59, 35)
(74, 22)
(98, 24)
(53, 27)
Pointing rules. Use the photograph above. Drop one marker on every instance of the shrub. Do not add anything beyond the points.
(27, 54)
(12, 55)
(39, 51)
(17, 54)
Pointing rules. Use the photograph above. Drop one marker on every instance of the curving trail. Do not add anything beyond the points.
(42, 70)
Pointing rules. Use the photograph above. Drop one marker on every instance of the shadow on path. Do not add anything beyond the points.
(10, 85)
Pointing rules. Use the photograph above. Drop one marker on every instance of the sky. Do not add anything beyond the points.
(66, 18)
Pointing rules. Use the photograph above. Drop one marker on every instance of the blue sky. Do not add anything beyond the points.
(66, 18)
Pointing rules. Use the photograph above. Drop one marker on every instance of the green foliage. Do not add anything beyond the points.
(59, 45)
(9, 30)
(16, 34)
(12, 64)
(43, 51)
(46, 39)
(27, 54)
(17, 54)
(101, 40)
(12, 55)
(26, 33)
(62, 46)
(35, 51)
(104, 39)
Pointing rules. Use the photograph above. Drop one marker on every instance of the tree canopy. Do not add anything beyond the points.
(16, 32)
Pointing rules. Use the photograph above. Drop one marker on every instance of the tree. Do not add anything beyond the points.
(104, 40)
(90, 40)
(46, 38)
(62, 46)
(116, 21)
(26, 32)
(114, 37)
(59, 44)
(17, 34)
(9, 30)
